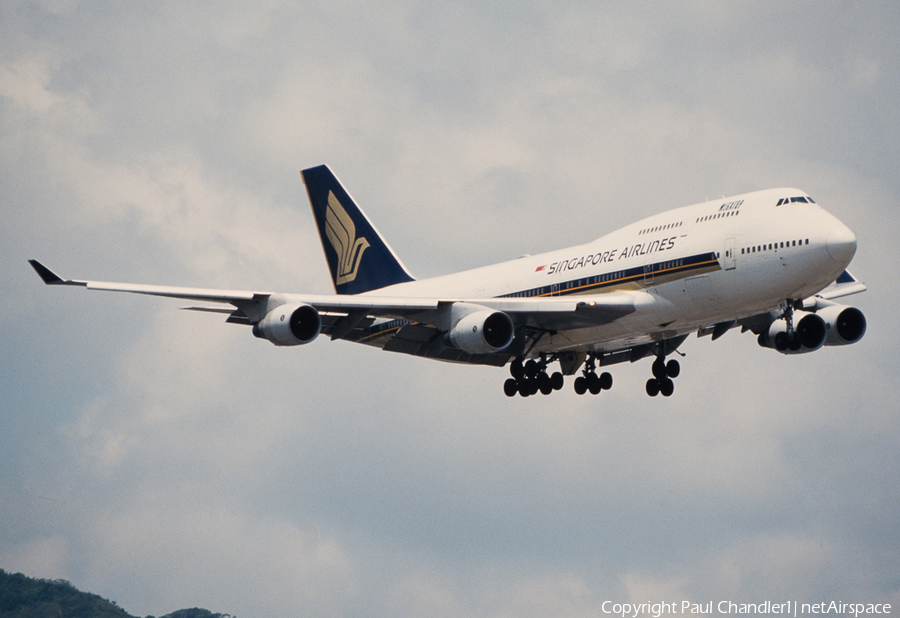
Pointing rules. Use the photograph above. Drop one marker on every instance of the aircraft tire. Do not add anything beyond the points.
(557, 381)
(510, 387)
(653, 387)
(524, 388)
(666, 387)
(659, 369)
(606, 380)
(673, 369)
(580, 385)
(544, 383)
(516, 369)
(782, 341)
(593, 384)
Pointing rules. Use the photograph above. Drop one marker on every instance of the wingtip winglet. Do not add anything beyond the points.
(48, 276)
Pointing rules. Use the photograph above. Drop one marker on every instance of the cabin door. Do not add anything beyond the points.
(730, 257)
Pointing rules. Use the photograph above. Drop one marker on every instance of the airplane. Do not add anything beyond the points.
(771, 262)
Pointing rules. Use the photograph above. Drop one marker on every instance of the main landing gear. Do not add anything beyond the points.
(590, 381)
(663, 374)
(530, 378)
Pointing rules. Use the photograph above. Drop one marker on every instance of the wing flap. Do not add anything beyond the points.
(566, 313)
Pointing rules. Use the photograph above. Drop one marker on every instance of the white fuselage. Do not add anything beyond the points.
(708, 263)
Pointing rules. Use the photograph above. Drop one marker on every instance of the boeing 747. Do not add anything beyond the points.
(770, 262)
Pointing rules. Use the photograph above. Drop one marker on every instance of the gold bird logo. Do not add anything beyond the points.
(341, 233)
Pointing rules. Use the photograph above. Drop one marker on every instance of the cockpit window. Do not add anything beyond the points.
(800, 199)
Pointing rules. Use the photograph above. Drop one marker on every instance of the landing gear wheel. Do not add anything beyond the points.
(666, 387)
(659, 368)
(527, 387)
(606, 380)
(510, 387)
(524, 388)
(544, 383)
(580, 385)
(653, 387)
(673, 369)
(557, 381)
(516, 369)
(593, 384)
(782, 341)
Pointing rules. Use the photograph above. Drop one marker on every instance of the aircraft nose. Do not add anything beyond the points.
(841, 244)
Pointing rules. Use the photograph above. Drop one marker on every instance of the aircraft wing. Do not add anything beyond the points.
(547, 314)
(222, 296)
(383, 307)
(845, 285)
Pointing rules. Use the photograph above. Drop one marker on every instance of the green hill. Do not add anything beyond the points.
(25, 597)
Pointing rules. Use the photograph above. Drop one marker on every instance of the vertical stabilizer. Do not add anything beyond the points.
(358, 257)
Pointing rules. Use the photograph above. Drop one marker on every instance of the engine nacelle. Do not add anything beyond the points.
(810, 333)
(483, 332)
(845, 325)
(289, 325)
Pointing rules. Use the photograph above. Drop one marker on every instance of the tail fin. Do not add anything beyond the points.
(358, 257)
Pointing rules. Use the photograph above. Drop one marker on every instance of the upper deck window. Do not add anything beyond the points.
(660, 228)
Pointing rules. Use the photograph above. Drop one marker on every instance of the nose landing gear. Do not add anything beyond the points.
(788, 340)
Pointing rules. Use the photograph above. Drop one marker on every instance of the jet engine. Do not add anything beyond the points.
(289, 325)
(845, 325)
(810, 333)
(483, 332)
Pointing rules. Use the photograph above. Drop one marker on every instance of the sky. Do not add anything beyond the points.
(165, 459)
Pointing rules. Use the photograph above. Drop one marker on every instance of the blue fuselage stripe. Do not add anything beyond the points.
(680, 266)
